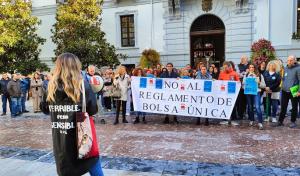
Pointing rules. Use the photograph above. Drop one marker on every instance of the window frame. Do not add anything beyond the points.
(297, 16)
(128, 18)
(118, 43)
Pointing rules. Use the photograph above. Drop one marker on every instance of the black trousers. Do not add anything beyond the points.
(241, 104)
(285, 97)
(119, 102)
(107, 102)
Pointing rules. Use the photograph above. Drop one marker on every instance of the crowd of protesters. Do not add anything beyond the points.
(273, 79)
(16, 89)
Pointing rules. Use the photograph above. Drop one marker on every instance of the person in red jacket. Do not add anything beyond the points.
(228, 74)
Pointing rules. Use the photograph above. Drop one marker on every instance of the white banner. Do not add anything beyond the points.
(185, 97)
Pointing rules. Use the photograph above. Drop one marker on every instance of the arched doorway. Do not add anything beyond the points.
(207, 40)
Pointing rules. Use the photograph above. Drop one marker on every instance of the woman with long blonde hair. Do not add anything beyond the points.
(64, 99)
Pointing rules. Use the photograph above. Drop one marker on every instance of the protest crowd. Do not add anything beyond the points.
(274, 81)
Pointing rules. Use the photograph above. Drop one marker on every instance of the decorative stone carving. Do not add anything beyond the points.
(207, 5)
(242, 6)
(174, 7)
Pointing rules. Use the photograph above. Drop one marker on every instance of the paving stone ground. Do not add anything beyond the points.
(157, 149)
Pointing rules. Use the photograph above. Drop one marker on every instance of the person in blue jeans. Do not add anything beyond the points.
(14, 90)
(255, 100)
(25, 86)
(15, 106)
(5, 95)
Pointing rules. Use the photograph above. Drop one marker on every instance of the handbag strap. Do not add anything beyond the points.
(83, 97)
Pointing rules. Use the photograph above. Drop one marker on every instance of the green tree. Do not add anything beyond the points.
(77, 30)
(19, 43)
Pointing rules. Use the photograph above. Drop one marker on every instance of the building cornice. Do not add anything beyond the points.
(44, 10)
(118, 3)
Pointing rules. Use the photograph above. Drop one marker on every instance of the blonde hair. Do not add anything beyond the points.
(68, 71)
(275, 63)
(120, 68)
(184, 72)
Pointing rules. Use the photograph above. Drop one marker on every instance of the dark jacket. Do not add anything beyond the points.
(272, 81)
(242, 70)
(45, 85)
(25, 85)
(14, 88)
(169, 75)
(3, 87)
(64, 140)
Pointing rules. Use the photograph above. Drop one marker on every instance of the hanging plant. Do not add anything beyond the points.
(150, 58)
(262, 51)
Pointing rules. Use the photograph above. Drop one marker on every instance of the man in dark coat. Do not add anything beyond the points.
(3, 91)
(14, 90)
(170, 74)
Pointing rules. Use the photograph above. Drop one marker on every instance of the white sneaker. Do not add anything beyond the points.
(260, 126)
(224, 123)
(274, 120)
(251, 123)
(234, 123)
(267, 119)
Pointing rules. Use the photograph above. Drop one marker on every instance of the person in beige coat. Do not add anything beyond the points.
(122, 80)
(36, 86)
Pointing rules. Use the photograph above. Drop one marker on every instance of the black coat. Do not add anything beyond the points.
(272, 81)
(169, 75)
(64, 132)
(3, 87)
(14, 88)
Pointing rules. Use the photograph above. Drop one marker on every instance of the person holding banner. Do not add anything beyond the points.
(272, 79)
(170, 73)
(122, 80)
(242, 101)
(228, 74)
(290, 90)
(184, 74)
(138, 72)
(253, 84)
(203, 75)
